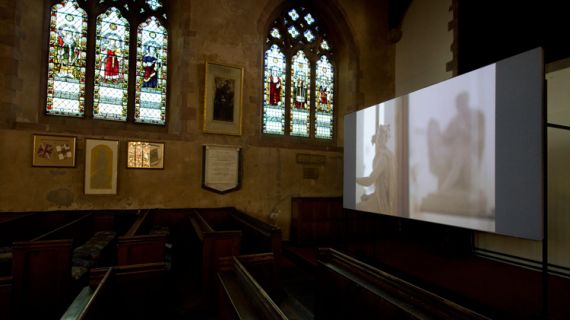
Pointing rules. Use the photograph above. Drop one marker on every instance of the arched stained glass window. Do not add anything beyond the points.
(98, 82)
(274, 84)
(112, 66)
(150, 106)
(300, 81)
(324, 89)
(66, 66)
(298, 61)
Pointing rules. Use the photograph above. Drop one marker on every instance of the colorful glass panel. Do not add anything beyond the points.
(275, 33)
(309, 36)
(300, 103)
(274, 93)
(154, 4)
(294, 15)
(325, 45)
(111, 66)
(150, 97)
(66, 66)
(324, 99)
(293, 32)
(309, 18)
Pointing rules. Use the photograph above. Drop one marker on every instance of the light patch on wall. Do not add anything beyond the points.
(61, 197)
(310, 173)
(312, 159)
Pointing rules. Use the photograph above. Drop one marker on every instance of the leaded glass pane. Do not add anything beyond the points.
(275, 33)
(294, 15)
(112, 69)
(325, 45)
(293, 32)
(324, 86)
(150, 98)
(67, 53)
(300, 105)
(309, 36)
(153, 4)
(309, 19)
(274, 91)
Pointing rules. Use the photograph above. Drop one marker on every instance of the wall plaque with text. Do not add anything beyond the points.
(221, 168)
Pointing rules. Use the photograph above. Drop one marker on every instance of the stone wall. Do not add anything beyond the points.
(224, 31)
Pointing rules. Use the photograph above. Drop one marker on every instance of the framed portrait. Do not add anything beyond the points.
(101, 158)
(221, 168)
(223, 99)
(145, 155)
(53, 151)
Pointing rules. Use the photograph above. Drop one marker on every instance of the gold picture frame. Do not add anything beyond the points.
(101, 162)
(53, 151)
(145, 155)
(223, 99)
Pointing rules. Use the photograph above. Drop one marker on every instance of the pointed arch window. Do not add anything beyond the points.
(109, 82)
(299, 78)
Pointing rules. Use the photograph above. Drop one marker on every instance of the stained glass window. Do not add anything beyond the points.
(274, 91)
(111, 66)
(67, 54)
(298, 54)
(324, 105)
(154, 4)
(150, 104)
(300, 97)
(109, 96)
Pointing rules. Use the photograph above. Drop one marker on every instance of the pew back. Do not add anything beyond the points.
(241, 296)
(350, 288)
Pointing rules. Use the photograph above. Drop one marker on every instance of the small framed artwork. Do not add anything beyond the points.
(223, 99)
(101, 157)
(145, 155)
(221, 168)
(53, 151)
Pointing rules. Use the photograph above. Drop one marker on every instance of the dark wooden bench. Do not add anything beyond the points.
(121, 292)
(144, 242)
(25, 227)
(227, 231)
(241, 296)
(5, 297)
(349, 288)
(214, 244)
(44, 267)
(41, 272)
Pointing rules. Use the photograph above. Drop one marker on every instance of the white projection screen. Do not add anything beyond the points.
(466, 152)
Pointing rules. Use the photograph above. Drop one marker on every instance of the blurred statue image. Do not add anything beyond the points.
(455, 157)
(383, 176)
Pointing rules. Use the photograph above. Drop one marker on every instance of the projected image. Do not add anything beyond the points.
(466, 152)
(377, 172)
(451, 151)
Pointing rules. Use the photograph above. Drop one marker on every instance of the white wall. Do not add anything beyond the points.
(425, 46)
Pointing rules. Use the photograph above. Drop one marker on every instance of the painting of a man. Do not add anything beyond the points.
(224, 99)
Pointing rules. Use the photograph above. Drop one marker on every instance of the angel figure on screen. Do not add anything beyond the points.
(382, 177)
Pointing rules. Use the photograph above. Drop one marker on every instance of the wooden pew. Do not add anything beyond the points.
(257, 236)
(240, 294)
(42, 267)
(140, 244)
(214, 244)
(348, 288)
(5, 297)
(121, 292)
